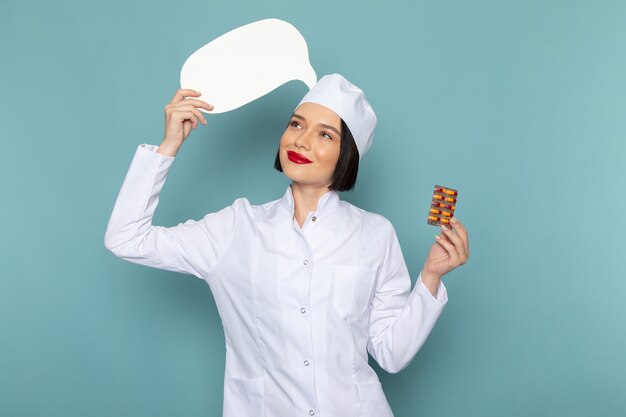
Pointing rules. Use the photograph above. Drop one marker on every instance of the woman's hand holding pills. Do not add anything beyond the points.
(450, 250)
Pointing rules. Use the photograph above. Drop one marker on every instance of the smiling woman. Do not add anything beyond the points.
(306, 285)
(344, 168)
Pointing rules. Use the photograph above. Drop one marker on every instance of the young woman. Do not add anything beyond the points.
(307, 285)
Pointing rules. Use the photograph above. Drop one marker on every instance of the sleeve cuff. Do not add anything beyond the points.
(148, 148)
(442, 293)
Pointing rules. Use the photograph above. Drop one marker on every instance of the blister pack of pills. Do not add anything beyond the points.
(442, 205)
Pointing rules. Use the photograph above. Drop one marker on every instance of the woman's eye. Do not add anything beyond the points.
(326, 135)
(294, 124)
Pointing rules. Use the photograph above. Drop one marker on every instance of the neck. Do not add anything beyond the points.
(305, 200)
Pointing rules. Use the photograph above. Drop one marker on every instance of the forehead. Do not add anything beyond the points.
(316, 113)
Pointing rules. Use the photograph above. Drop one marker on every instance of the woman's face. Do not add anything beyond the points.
(309, 148)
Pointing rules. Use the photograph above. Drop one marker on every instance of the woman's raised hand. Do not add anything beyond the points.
(448, 252)
(181, 116)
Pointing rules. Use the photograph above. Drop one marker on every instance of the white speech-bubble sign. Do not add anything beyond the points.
(247, 63)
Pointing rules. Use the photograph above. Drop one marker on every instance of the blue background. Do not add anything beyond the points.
(518, 104)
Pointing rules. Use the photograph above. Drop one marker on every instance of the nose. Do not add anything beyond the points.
(303, 140)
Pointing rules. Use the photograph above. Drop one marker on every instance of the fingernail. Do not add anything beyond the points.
(453, 220)
(443, 226)
(437, 237)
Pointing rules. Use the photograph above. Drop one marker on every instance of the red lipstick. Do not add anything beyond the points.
(297, 158)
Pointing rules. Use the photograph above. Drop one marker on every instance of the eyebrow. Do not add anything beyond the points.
(297, 116)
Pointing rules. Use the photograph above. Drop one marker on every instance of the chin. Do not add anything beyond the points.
(294, 176)
(292, 169)
(303, 174)
(306, 180)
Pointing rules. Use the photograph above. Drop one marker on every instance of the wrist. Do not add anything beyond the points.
(431, 276)
(168, 148)
(431, 280)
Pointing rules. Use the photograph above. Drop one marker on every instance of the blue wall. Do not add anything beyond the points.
(518, 104)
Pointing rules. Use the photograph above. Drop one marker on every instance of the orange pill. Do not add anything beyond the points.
(433, 218)
(445, 213)
(438, 197)
(450, 199)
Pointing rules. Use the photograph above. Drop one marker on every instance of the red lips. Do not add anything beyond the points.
(297, 158)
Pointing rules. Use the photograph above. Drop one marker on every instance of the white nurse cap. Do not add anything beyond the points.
(333, 91)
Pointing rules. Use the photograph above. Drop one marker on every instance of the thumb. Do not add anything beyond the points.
(187, 127)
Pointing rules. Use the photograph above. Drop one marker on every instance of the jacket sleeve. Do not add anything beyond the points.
(193, 247)
(400, 319)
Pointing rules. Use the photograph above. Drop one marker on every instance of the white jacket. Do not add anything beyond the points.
(301, 307)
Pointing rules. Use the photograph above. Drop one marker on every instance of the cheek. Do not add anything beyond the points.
(285, 140)
(282, 143)
(282, 154)
(330, 157)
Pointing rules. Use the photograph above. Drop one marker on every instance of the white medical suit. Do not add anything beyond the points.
(301, 306)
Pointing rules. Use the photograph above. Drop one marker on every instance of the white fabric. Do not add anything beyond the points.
(336, 93)
(327, 293)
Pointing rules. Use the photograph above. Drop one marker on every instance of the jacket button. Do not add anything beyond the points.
(306, 262)
(311, 412)
(306, 363)
(302, 310)
(313, 218)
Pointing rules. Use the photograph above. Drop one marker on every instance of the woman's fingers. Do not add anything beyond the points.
(463, 234)
(454, 238)
(191, 101)
(454, 241)
(187, 126)
(450, 248)
(182, 97)
(180, 117)
(183, 116)
(178, 125)
(199, 103)
(189, 104)
(181, 93)
(180, 100)
(458, 244)
(185, 109)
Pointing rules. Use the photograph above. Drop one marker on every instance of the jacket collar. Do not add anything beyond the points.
(327, 203)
